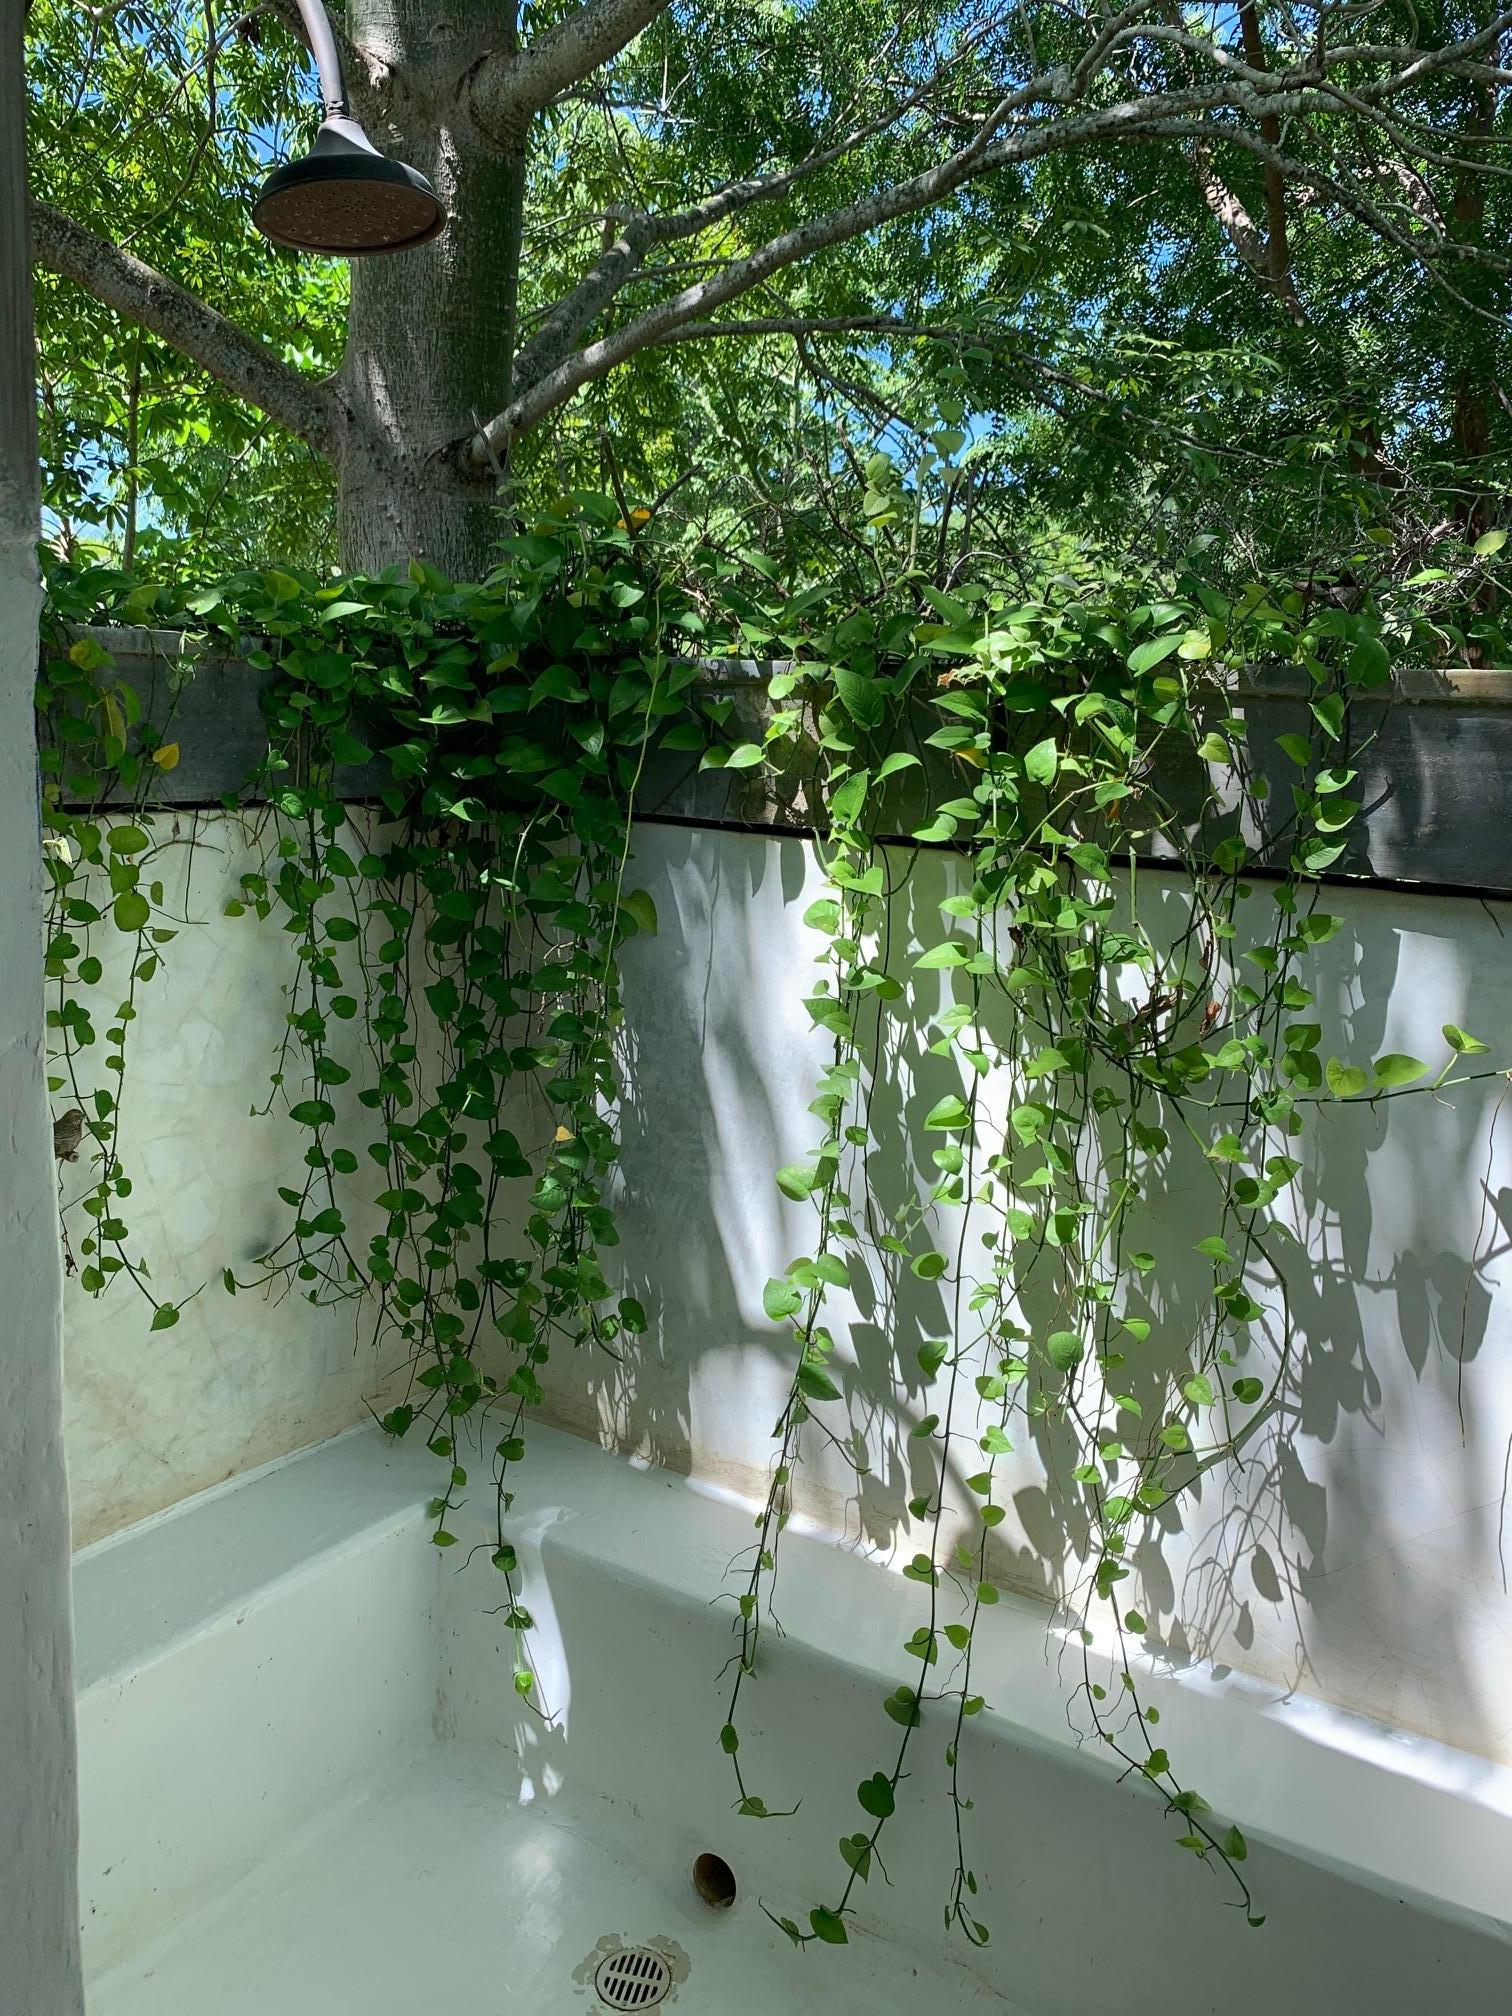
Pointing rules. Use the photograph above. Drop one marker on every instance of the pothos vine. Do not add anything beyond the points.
(454, 963)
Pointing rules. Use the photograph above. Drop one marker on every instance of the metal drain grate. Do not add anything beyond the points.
(636, 1978)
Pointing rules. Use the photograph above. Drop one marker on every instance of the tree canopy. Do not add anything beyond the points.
(1154, 273)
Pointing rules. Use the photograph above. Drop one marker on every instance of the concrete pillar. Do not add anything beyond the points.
(39, 1932)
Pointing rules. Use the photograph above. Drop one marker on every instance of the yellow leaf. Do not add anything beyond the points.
(563, 1134)
(113, 721)
(166, 756)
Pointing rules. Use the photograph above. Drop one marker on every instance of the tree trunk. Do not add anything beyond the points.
(430, 333)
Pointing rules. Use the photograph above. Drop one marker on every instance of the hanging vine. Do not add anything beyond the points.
(442, 829)
(1098, 1051)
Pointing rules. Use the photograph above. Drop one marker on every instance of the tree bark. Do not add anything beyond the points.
(1278, 246)
(430, 333)
(247, 366)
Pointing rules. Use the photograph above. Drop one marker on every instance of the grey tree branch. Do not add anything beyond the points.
(1266, 255)
(1242, 103)
(552, 343)
(1277, 243)
(1351, 197)
(1234, 220)
(984, 154)
(511, 86)
(655, 325)
(1027, 368)
(641, 232)
(241, 362)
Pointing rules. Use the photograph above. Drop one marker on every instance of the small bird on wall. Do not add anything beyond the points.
(68, 1131)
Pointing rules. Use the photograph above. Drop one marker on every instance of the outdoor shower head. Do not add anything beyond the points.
(344, 198)
(347, 200)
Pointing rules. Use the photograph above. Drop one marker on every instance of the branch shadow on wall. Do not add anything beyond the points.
(1353, 1553)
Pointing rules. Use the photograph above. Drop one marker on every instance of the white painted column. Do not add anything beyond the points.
(39, 1932)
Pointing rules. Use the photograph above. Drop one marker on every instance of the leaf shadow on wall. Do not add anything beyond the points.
(1354, 1551)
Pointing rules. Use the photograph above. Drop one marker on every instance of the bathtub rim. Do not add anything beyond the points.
(1388, 1809)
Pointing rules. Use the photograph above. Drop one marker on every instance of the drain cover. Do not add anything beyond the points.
(634, 1978)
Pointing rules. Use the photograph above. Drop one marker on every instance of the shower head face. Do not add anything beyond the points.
(345, 200)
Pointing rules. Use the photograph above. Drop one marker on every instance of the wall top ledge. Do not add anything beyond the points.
(1435, 760)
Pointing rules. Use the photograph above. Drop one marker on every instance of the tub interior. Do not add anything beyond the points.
(310, 1788)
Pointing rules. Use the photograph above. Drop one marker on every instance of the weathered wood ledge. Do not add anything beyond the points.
(1433, 751)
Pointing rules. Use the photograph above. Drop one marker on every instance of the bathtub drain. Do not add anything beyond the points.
(635, 1978)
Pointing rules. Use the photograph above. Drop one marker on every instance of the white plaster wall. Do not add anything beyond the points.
(39, 1945)
(1378, 1579)
(1366, 1560)
(155, 1415)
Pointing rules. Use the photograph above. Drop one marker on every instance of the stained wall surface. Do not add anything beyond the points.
(153, 1415)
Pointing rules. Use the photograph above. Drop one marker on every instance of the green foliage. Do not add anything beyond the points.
(153, 125)
(453, 968)
(1074, 344)
(465, 937)
(1109, 1038)
(100, 860)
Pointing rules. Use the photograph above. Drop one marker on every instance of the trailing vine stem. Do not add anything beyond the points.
(443, 828)
(1106, 1037)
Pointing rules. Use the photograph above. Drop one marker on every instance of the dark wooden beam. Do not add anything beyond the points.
(1433, 752)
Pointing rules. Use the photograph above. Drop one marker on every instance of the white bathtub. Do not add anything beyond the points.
(309, 1788)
